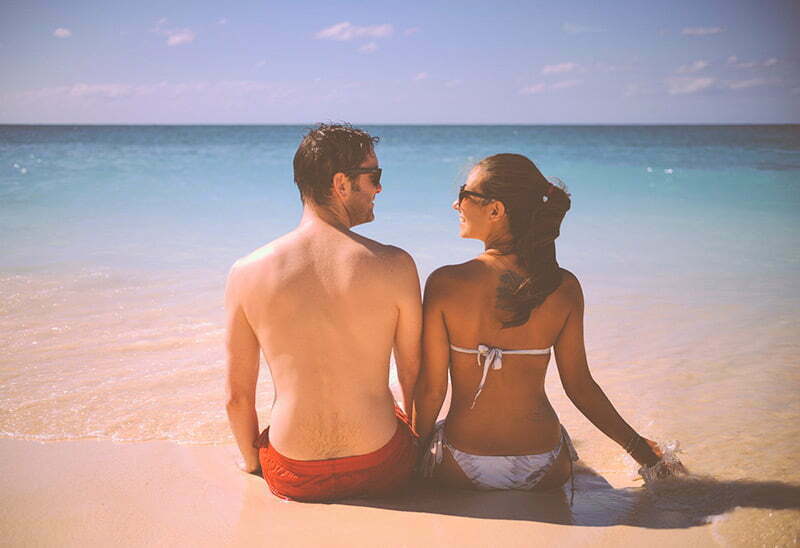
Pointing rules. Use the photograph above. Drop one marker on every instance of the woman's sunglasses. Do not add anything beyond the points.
(463, 193)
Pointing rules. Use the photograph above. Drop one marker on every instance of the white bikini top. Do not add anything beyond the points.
(494, 359)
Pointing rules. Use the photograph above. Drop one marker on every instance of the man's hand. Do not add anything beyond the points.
(255, 470)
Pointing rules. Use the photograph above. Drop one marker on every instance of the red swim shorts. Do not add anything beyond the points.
(379, 473)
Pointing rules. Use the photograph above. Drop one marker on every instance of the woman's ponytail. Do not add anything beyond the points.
(535, 208)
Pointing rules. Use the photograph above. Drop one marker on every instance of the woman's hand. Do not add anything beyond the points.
(646, 452)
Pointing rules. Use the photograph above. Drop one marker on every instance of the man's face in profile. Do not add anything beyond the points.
(365, 187)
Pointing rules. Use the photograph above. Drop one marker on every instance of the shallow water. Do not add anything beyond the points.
(117, 241)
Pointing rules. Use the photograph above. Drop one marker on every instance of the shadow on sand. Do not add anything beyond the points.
(683, 502)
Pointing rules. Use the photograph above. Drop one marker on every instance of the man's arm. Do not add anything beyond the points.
(407, 344)
(242, 356)
(432, 386)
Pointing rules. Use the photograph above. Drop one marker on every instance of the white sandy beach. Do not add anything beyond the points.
(741, 443)
(99, 493)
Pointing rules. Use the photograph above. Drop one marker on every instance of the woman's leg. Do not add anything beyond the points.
(449, 473)
(559, 472)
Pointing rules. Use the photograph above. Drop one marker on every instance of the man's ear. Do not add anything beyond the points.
(340, 185)
(497, 211)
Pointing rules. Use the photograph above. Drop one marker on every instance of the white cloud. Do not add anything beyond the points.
(223, 21)
(421, 76)
(561, 67)
(411, 31)
(225, 89)
(681, 86)
(368, 48)
(541, 87)
(693, 67)
(734, 61)
(345, 31)
(572, 28)
(108, 91)
(175, 37)
(453, 83)
(632, 90)
(61, 32)
(566, 84)
(261, 63)
(180, 36)
(742, 84)
(701, 31)
(532, 89)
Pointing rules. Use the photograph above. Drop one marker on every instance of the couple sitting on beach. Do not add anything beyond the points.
(327, 307)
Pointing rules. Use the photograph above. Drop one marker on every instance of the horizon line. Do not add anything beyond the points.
(454, 124)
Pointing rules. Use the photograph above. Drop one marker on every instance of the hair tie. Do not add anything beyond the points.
(552, 183)
(550, 189)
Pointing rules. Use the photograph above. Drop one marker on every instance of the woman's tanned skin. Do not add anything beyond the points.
(512, 416)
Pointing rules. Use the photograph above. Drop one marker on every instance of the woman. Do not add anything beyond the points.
(504, 310)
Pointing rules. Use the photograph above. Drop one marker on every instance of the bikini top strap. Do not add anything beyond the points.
(493, 357)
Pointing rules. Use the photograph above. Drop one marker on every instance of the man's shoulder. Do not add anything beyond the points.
(398, 256)
(389, 256)
(255, 259)
(261, 259)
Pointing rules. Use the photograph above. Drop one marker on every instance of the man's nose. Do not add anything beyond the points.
(455, 205)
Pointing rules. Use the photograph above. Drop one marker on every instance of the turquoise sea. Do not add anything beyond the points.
(116, 241)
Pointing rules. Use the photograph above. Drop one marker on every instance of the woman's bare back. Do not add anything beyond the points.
(512, 415)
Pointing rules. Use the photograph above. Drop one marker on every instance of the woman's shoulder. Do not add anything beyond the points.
(455, 275)
(568, 279)
(570, 286)
(458, 272)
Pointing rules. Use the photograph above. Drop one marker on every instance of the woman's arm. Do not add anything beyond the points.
(432, 382)
(584, 392)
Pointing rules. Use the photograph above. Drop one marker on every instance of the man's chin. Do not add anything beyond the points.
(365, 219)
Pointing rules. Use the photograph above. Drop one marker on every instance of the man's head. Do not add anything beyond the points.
(332, 151)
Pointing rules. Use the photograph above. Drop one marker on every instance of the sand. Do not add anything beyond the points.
(99, 493)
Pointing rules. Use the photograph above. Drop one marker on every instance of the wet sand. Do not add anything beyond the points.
(98, 493)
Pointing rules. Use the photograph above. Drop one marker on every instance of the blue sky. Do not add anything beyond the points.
(392, 62)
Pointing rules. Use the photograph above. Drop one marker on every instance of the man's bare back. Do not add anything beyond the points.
(326, 307)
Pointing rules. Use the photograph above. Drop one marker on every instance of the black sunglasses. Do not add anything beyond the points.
(463, 193)
(375, 171)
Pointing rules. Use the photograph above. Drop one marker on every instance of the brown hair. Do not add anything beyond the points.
(328, 149)
(535, 209)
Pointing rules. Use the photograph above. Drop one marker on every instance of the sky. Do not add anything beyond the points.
(435, 62)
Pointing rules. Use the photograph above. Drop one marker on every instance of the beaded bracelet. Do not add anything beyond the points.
(633, 444)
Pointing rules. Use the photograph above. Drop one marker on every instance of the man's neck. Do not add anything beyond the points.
(313, 213)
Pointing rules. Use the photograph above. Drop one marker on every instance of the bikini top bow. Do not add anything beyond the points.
(493, 358)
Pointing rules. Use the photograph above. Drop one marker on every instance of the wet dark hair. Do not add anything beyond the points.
(535, 209)
(325, 150)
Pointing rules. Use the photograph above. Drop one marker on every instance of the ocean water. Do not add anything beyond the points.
(116, 242)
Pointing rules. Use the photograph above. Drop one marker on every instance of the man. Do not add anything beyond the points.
(326, 306)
